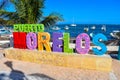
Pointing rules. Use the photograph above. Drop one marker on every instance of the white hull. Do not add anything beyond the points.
(73, 25)
(56, 28)
(66, 27)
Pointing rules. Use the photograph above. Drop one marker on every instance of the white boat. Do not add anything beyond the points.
(73, 24)
(56, 28)
(86, 29)
(93, 27)
(116, 31)
(91, 35)
(66, 27)
(103, 28)
(4, 31)
(114, 34)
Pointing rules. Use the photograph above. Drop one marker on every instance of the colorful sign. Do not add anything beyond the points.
(32, 36)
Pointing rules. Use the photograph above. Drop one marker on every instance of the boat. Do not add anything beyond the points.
(116, 31)
(103, 28)
(66, 27)
(86, 29)
(93, 27)
(73, 24)
(56, 28)
(91, 35)
(114, 34)
(4, 31)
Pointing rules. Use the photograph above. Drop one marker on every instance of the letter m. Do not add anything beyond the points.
(19, 39)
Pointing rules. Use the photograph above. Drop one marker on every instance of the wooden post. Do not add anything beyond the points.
(119, 51)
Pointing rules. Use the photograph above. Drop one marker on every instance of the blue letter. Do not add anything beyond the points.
(96, 41)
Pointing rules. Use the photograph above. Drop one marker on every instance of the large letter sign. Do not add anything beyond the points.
(96, 41)
(66, 43)
(57, 43)
(43, 41)
(79, 48)
(31, 41)
(19, 40)
(32, 36)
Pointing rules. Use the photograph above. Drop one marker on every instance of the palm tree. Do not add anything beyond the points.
(27, 11)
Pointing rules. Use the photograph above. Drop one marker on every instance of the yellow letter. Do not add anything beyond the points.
(43, 39)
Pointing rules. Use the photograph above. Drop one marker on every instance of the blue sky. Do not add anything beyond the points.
(84, 11)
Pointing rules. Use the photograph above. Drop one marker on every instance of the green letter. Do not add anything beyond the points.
(21, 28)
(34, 27)
(30, 28)
(16, 27)
(40, 27)
(66, 43)
(26, 27)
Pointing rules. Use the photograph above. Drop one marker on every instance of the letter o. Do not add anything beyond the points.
(79, 39)
(31, 40)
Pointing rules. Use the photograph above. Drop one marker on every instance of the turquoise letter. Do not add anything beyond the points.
(97, 42)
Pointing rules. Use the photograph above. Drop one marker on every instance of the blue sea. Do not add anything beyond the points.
(76, 30)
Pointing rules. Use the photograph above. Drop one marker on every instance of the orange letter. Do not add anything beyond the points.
(43, 39)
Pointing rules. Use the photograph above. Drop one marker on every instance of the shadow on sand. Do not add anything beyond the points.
(19, 75)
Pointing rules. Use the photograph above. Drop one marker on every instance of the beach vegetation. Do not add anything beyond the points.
(27, 12)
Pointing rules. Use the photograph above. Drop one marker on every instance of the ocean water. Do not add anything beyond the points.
(76, 30)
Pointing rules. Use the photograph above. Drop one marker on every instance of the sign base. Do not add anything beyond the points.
(102, 63)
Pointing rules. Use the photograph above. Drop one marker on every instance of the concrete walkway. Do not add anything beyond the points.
(19, 70)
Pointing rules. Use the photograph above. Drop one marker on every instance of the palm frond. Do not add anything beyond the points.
(2, 21)
(3, 3)
(52, 19)
(28, 11)
(35, 13)
(5, 14)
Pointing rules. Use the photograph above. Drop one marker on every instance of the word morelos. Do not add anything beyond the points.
(32, 36)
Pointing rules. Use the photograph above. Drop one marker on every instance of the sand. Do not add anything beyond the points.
(59, 73)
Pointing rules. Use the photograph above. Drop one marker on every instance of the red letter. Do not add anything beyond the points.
(19, 40)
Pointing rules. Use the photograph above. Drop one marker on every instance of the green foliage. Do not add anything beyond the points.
(52, 19)
(28, 11)
(3, 4)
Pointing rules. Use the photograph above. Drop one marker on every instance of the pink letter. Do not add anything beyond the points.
(31, 41)
(79, 48)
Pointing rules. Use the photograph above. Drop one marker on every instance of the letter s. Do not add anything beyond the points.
(96, 41)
